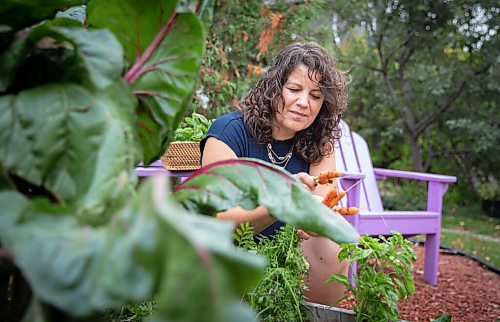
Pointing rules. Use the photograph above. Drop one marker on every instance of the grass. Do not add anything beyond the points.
(486, 250)
(468, 229)
(470, 219)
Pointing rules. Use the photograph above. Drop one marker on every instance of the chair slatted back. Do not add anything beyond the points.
(352, 155)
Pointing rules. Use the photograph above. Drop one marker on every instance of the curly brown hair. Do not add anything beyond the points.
(258, 110)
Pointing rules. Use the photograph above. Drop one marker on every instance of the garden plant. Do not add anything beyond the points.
(193, 128)
(278, 294)
(383, 276)
(84, 98)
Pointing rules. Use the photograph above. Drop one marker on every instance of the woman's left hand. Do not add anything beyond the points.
(306, 179)
(305, 235)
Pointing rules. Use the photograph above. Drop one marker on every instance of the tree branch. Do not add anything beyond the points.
(429, 119)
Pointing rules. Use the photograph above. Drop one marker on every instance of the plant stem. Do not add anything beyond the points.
(138, 68)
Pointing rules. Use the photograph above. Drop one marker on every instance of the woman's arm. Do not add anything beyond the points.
(259, 218)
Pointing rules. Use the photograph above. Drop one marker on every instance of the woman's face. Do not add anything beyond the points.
(302, 102)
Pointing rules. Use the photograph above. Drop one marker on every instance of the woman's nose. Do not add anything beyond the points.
(303, 100)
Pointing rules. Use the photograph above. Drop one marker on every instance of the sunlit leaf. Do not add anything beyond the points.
(249, 183)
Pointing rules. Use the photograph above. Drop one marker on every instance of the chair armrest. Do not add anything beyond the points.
(384, 173)
(156, 163)
(156, 167)
(352, 176)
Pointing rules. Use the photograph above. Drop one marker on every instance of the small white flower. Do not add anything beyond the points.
(204, 99)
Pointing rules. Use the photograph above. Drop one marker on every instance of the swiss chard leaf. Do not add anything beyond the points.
(165, 48)
(79, 145)
(134, 24)
(19, 14)
(249, 183)
(50, 54)
(153, 247)
(165, 89)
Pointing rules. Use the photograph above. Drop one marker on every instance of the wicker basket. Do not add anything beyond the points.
(182, 156)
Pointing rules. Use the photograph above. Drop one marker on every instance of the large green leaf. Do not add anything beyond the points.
(166, 49)
(62, 55)
(79, 145)
(152, 247)
(20, 13)
(134, 23)
(99, 52)
(165, 90)
(249, 183)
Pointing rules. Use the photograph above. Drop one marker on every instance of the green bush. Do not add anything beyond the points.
(403, 196)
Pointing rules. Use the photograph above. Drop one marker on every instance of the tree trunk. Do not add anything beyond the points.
(412, 135)
(416, 153)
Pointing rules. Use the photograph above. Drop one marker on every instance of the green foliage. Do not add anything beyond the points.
(383, 277)
(489, 191)
(399, 195)
(278, 294)
(467, 228)
(20, 14)
(424, 88)
(131, 313)
(470, 218)
(192, 128)
(155, 67)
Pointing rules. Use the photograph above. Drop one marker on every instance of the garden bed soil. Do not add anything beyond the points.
(466, 290)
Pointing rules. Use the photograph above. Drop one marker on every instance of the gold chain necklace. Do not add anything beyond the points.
(282, 161)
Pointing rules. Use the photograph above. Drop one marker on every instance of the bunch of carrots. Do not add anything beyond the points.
(333, 196)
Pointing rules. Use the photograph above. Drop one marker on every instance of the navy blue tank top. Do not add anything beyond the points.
(230, 129)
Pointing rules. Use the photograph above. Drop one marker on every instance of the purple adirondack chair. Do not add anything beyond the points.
(353, 156)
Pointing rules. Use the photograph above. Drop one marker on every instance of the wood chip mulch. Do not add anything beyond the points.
(466, 290)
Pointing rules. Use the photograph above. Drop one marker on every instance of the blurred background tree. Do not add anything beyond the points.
(425, 83)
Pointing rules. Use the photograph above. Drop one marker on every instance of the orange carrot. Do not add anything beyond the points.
(347, 211)
(323, 178)
(352, 211)
(328, 177)
(330, 196)
(337, 198)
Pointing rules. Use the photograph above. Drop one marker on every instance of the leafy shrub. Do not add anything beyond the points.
(193, 128)
(383, 276)
(407, 196)
(489, 191)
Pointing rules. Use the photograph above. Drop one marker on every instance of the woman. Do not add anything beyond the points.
(289, 118)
